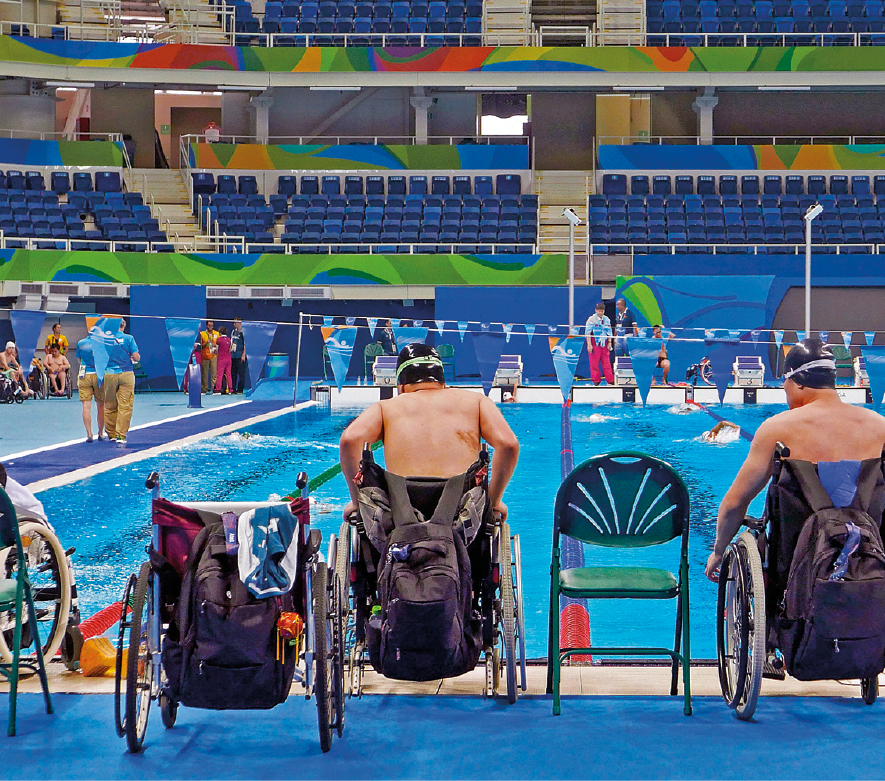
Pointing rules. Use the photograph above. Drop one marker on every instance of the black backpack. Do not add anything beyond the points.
(427, 628)
(221, 651)
(833, 628)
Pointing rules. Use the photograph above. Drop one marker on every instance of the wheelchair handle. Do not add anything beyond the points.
(152, 481)
(301, 481)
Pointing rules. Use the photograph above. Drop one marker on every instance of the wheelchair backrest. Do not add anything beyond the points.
(623, 499)
(9, 536)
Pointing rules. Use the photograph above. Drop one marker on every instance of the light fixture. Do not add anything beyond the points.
(234, 88)
(491, 89)
(335, 89)
(72, 84)
(785, 88)
(638, 89)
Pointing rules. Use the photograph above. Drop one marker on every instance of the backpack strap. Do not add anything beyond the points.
(815, 494)
(187, 580)
(867, 480)
(401, 506)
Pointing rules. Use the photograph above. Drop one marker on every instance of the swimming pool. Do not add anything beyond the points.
(107, 517)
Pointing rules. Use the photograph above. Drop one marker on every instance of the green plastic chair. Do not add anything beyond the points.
(327, 364)
(842, 356)
(447, 355)
(16, 596)
(623, 499)
(372, 351)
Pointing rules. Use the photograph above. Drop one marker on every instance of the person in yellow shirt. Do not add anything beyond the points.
(58, 339)
(209, 354)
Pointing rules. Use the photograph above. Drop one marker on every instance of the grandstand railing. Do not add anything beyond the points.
(737, 140)
(59, 136)
(186, 140)
(576, 35)
(273, 40)
(704, 247)
(737, 39)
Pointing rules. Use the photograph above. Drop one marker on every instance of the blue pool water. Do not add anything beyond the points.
(107, 517)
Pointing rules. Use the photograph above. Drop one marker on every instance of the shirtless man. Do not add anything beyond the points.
(56, 366)
(429, 430)
(819, 426)
(663, 360)
(9, 366)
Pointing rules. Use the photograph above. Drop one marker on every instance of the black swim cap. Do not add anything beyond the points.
(811, 363)
(419, 363)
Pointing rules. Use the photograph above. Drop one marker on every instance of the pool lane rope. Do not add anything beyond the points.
(574, 620)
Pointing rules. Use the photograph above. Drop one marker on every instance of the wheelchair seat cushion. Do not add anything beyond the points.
(618, 583)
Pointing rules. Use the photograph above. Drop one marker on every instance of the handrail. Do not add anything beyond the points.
(273, 40)
(60, 135)
(753, 249)
(199, 138)
(740, 140)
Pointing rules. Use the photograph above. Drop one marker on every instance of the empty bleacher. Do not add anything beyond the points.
(83, 211)
(392, 214)
(764, 22)
(736, 214)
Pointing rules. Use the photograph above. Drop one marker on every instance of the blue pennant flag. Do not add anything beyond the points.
(565, 351)
(754, 335)
(339, 341)
(182, 333)
(350, 320)
(103, 339)
(371, 322)
(870, 336)
(259, 337)
(846, 338)
(406, 336)
(462, 328)
(644, 353)
(440, 326)
(417, 323)
(327, 320)
(508, 327)
(642, 332)
(875, 361)
(824, 336)
(800, 335)
(722, 353)
(734, 333)
(26, 326)
(530, 331)
(395, 321)
(778, 338)
(488, 346)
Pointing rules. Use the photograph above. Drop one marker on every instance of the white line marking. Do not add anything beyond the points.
(131, 458)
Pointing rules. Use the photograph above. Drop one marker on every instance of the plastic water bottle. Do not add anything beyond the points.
(850, 546)
(375, 618)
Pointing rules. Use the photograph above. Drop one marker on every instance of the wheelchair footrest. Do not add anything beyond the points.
(773, 673)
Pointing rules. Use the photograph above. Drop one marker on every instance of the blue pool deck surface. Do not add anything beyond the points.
(254, 451)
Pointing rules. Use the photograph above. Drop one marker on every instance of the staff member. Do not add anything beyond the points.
(625, 325)
(119, 385)
(89, 389)
(239, 362)
(209, 365)
(56, 339)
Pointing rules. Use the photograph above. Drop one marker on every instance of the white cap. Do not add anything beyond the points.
(10, 344)
(507, 395)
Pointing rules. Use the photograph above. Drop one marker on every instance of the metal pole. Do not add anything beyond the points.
(297, 361)
(571, 276)
(808, 276)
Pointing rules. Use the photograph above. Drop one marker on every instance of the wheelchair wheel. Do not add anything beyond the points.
(119, 717)
(139, 665)
(322, 661)
(869, 689)
(508, 612)
(69, 384)
(168, 710)
(50, 578)
(740, 626)
(342, 574)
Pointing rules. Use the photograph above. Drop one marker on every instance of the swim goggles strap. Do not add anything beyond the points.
(424, 360)
(822, 363)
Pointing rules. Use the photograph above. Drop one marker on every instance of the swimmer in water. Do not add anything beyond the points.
(724, 426)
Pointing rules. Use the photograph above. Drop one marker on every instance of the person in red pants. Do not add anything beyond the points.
(223, 344)
(598, 331)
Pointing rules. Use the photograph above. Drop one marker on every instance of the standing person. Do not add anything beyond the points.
(239, 363)
(57, 367)
(89, 389)
(598, 330)
(224, 362)
(56, 338)
(387, 339)
(119, 385)
(625, 324)
(663, 360)
(209, 366)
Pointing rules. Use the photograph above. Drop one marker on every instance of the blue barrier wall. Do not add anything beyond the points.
(832, 266)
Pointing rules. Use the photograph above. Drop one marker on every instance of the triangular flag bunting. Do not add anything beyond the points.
(182, 333)
(875, 362)
(350, 320)
(644, 354)
(327, 320)
(488, 346)
(462, 328)
(565, 351)
(339, 342)
(754, 335)
(800, 335)
(440, 326)
(406, 336)
(846, 338)
(372, 322)
(417, 323)
(824, 336)
(642, 332)
(530, 331)
(508, 327)
(870, 336)
(778, 338)
(395, 321)
(103, 338)
(259, 337)
(722, 353)
(734, 333)
(26, 325)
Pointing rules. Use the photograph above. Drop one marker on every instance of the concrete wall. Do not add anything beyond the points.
(30, 113)
(672, 114)
(121, 110)
(563, 127)
(453, 114)
(235, 118)
(164, 103)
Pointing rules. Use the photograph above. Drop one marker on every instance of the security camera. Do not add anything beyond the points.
(813, 211)
(570, 215)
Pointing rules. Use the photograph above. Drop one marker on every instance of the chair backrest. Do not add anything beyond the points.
(623, 499)
(445, 350)
(9, 536)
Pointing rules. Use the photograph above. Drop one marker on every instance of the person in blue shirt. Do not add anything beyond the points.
(598, 331)
(119, 385)
(89, 389)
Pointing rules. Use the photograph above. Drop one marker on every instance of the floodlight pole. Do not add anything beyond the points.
(813, 211)
(571, 277)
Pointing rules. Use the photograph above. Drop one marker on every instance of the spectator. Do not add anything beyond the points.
(89, 389)
(224, 362)
(119, 385)
(239, 363)
(625, 325)
(598, 331)
(57, 366)
(209, 349)
(663, 361)
(387, 339)
(56, 338)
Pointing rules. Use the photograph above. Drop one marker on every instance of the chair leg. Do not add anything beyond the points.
(552, 630)
(686, 643)
(674, 669)
(16, 652)
(41, 663)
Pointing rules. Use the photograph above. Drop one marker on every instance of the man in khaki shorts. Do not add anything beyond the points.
(87, 385)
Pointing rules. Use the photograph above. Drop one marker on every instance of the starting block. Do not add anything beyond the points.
(384, 370)
(861, 378)
(624, 374)
(509, 372)
(748, 371)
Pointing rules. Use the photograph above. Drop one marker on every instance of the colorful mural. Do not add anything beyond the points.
(515, 59)
(135, 268)
(361, 157)
(28, 152)
(781, 157)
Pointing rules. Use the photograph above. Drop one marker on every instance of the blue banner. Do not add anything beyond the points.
(327, 320)
(258, 340)
(754, 335)
(350, 320)
(508, 327)
(182, 333)
(103, 338)
(26, 326)
(488, 346)
(778, 338)
(800, 335)
(339, 341)
(529, 331)
(722, 353)
(405, 336)
(644, 354)
(565, 351)
(395, 321)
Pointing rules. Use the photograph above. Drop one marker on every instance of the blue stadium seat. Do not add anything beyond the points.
(310, 185)
(418, 185)
(461, 185)
(794, 185)
(227, 184)
(772, 185)
(82, 182)
(750, 185)
(511, 184)
(353, 185)
(639, 185)
(728, 185)
(439, 185)
(482, 185)
(331, 185)
(396, 185)
(860, 185)
(661, 184)
(839, 185)
(247, 185)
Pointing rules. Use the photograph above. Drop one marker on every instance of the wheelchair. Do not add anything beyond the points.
(54, 588)
(46, 387)
(150, 602)
(746, 646)
(497, 597)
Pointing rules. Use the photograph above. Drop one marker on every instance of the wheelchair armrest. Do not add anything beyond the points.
(754, 524)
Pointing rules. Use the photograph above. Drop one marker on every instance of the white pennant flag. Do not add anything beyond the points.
(440, 326)
(778, 338)
(462, 328)
(530, 331)
(371, 322)
(846, 338)
(508, 327)
(754, 335)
